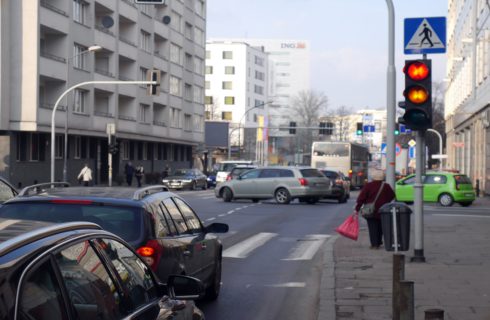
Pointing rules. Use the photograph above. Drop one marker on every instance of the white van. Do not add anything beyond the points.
(224, 168)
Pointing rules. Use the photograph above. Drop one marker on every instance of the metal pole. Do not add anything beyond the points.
(407, 300)
(109, 160)
(395, 229)
(391, 98)
(53, 114)
(398, 275)
(440, 146)
(418, 200)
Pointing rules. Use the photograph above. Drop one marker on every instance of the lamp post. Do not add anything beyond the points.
(93, 48)
(239, 128)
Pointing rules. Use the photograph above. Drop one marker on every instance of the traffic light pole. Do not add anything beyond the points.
(391, 98)
(109, 161)
(418, 188)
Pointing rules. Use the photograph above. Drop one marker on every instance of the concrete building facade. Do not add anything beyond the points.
(236, 90)
(467, 108)
(45, 49)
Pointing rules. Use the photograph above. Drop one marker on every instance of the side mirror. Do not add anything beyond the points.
(184, 287)
(217, 228)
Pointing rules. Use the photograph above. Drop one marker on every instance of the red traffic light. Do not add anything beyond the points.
(417, 70)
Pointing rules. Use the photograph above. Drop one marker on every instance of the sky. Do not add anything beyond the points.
(348, 40)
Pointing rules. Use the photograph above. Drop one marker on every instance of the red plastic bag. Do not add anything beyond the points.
(350, 227)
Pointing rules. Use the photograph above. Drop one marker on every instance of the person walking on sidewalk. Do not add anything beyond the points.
(379, 193)
(129, 171)
(139, 174)
(85, 175)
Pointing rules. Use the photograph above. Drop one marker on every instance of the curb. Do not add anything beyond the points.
(326, 310)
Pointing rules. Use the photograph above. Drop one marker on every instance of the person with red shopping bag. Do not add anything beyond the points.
(373, 195)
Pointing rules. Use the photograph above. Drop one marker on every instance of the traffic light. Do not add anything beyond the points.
(292, 127)
(359, 129)
(113, 148)
(397, 129)
(418, 95)
(153, 75)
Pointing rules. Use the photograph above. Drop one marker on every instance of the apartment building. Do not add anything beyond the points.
(236, 90)
(467, 108)
(51, 45)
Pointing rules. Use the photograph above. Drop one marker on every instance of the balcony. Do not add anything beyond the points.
(52, 7)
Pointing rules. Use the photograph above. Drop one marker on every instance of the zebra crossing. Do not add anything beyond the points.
(301, 250)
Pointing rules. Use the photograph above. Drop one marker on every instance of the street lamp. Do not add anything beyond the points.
(93, 48)
(239, 128)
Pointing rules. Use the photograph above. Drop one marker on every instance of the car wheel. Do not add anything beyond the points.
(466, 204)
(227, 194)
(255, 200)
(282, 196)
(312, 200)
(193, 185)
(212, 292)
(342, 199)
(446, 200)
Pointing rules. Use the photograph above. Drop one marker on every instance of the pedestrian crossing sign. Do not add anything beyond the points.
(425, 35)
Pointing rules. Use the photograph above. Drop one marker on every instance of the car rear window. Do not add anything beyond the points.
(126, 222)
(462, 179)
(331, 174)
(311, 173)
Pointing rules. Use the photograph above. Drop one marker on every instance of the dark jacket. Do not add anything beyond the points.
(369, 192)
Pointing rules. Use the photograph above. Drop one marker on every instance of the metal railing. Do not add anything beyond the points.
(52, 57)
(104, 30)
(159, 123)
(103, 114)
(49, 6)
(128, 118)
(104, 72)
(127, 41)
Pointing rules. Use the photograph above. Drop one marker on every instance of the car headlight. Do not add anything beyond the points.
(164, 181)
(208, 179)
(186, 181)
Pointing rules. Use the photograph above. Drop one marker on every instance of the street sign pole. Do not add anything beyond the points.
(391, 98)
(111, 130)
(418, 199)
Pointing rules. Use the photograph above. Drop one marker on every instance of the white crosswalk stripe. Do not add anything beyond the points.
(244, 248)
(307, 247)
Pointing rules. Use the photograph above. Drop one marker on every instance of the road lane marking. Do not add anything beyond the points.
(222, 215)
(210, 219)
(244, 248)
(231, 211)
(287, 285)
(307, 247)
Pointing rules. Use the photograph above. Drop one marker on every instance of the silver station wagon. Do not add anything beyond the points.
(284, 184)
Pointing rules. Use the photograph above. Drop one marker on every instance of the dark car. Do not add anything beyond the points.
(186, 179)
(211, 179)
(7, 191)
(340, 190)
(78, 271)
(158, 224)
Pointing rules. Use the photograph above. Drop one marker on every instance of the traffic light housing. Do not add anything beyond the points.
(153, 75)
(418, 95)
(397, 129)
(113, 148)
(292, 127)
(359, 130)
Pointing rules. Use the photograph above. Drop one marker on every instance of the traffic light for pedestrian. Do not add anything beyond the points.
(359, 129)
(153, 89)
(418, 95)
(292, 127)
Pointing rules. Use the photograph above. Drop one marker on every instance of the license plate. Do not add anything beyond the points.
(468, 194)
(320, 184)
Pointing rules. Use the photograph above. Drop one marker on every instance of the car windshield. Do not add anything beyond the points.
(182, 173)
(123, 221)
(462, 179)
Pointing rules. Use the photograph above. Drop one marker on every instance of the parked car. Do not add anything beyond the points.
(78, 271)
(186, 179)
(224, 168)
(341, 185)
(7, 190)
(158, 224)
(282, 183)
(443, 187)
(211, 179)
(238, 170)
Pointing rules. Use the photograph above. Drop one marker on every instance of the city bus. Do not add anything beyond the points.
(350, 158)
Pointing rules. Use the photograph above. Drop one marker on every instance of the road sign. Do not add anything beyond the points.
(412, 143)
(458, 144)
(368, 128)
(439, 156)
(411, 152)
(425, 35)
(383, 148)
(398, 149)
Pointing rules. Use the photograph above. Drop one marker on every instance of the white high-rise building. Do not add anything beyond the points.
(236, 91)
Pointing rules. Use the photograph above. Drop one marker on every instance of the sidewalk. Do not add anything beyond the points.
(454, 278)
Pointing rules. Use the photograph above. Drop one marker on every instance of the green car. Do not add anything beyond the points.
(443, 187)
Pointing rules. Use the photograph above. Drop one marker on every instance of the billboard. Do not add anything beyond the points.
(216, 134)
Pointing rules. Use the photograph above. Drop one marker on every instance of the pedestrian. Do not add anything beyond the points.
(165, 172)
(376, 192)
(129, 171)
(139, 174)
(85, 175)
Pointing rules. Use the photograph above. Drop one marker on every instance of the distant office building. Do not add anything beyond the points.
(50, 45)
(467, 108)
(236, 91)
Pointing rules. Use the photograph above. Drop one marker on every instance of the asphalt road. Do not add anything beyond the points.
(272, 259)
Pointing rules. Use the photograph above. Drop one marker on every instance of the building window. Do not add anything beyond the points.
(188, 92)
(208, 100)
(144, 114)
(199, 7)
(78, 147)
(259, 61)
(188, 62)
(198, 65)
(175, 86)
(59, 146)
(258, 103)
(199, 37)
(227, 55)
(259, 75)
(176, 21)
(258, 89)
(124, 145)
(226, 115)
(208, 54)
(145, 41)
(79, 56)
(188, 31)
(209, 70)
(207, 84)
(187, 122)
(198, 94)
(80, 101)
(175, 117)
(142, 75)
(175, 54)
(229, 70)
(79, 11)
(227, 85)
(229, 100)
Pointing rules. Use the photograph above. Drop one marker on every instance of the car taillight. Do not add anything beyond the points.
(151, 253)
(303, 182)
(339, 182)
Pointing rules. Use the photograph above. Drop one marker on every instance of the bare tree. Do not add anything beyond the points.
(438, 122)
(309, 106)
(213, 109)
(341, 121)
